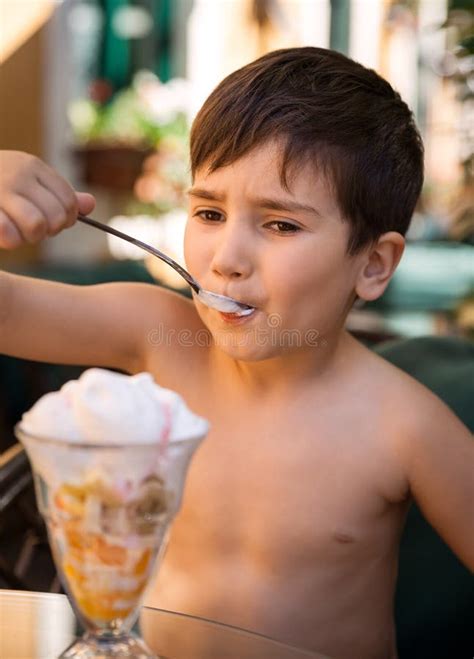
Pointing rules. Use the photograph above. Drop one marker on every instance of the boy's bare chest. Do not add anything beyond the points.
(279, 490)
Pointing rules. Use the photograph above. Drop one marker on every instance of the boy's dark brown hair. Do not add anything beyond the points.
(330, 111)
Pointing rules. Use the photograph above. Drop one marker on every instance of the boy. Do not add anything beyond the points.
(306, 169)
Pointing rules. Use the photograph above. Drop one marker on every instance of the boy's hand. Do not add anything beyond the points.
(35, 202)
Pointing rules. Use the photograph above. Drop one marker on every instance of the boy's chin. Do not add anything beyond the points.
(240, 349)
(247, 355)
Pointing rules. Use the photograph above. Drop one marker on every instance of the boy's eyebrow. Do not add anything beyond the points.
(263, 202)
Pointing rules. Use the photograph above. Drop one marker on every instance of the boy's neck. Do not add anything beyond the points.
(294, 370)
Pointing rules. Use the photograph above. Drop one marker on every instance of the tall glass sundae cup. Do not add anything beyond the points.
(108, 506)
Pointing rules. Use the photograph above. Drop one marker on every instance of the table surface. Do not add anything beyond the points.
(41, 625)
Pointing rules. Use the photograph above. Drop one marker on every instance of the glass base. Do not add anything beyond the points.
(102, 647)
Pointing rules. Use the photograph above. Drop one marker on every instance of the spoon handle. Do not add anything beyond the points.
(148, 248)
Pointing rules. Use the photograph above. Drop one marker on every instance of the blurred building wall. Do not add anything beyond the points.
(21, 98)
(22, 115)
(223, 36)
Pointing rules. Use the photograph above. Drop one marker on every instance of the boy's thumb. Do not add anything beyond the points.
(85, 202)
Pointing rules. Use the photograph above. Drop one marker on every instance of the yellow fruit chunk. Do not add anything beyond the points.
(74, 576)
(75, 536)
(142, 563)
(99, 607)
(109, 554)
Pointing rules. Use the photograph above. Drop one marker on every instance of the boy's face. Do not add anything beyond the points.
(282, 252)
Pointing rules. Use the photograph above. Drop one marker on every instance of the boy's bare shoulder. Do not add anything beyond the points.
(160, 304)
(407, 402)
(417, 423)
(173, 341)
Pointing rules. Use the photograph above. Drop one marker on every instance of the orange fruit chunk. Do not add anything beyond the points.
(142, 564)
(109, 554)
(98, 608)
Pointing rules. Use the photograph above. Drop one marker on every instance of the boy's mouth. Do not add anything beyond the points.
(247, 310)
(238, 316)
(244, 312)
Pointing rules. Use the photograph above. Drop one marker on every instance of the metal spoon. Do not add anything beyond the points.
(213, 300)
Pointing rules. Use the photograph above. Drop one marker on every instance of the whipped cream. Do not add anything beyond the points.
(107, 407)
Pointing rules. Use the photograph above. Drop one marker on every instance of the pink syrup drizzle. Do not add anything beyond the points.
(166, 432)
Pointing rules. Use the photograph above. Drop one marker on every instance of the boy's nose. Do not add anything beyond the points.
(232, 259)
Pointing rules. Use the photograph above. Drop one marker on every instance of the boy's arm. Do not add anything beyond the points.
(105, 325)
(125, 326)
(438, 457)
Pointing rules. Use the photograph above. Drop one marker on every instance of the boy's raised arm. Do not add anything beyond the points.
(103, 325)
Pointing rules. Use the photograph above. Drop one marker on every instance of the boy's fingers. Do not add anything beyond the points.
(73, 202)
(61, 189)
(10, 237)
(50, 207)
(85, 202)
(28, 219)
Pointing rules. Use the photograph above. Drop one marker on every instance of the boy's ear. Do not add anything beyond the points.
(378, 265)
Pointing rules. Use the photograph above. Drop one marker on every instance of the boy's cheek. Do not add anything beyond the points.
(191, 249)
(198, 254)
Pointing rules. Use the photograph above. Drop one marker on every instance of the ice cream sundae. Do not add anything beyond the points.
(109, 454)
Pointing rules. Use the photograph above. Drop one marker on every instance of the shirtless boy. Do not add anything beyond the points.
(306, 169)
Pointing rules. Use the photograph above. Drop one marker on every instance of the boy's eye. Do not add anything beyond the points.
(283, 227)
(279, 226)
(209, 216)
